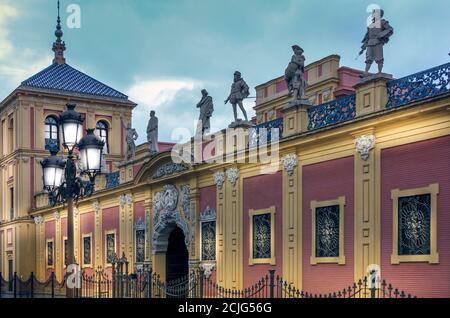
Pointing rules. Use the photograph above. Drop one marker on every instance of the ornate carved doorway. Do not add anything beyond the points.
(177, 256)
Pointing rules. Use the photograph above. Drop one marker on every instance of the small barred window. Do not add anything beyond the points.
(209, 241)
(262, 236)
(327, 231)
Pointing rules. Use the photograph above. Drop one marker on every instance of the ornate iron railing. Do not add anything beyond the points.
(112, 179)
(337, 111)
(264, 133)
(415, 87)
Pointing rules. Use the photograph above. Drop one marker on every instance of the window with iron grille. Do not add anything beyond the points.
(414, 219)
(51, 133)
(66, 253)
(110, 247)
(140, 246)
(327, 231)
(87, 250)
(209, 241)
(50, 253)
(262, 236)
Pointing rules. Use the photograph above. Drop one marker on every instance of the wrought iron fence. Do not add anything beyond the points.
(16, 287)
(145, 283)
(340, 110)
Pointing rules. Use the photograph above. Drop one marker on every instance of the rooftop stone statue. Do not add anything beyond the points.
(239, 91)
(377, 35)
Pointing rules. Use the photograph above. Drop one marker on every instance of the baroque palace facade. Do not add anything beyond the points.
(363, 181)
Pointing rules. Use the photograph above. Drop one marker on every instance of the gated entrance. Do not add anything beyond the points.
(177, 256)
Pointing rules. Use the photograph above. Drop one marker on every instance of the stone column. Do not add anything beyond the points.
(292, 220)
(367, 216)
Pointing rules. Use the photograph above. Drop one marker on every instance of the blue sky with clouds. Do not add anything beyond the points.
(163, 52)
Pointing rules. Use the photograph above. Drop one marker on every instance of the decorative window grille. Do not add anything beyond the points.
(87, 250)
(110, 247)
(327, 231)
(262, 236)
(50, 253)
(66, 253)
(208, 241)
(414, 220)
(140, 246)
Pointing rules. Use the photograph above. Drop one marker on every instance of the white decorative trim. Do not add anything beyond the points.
(364, 144)
(57, 215)
(96, 206)
(129, 199)
(208, 215)
(122, 200)
(290, 162)
(38, 220)
(219, 179)
(233, 175)
(207, 268)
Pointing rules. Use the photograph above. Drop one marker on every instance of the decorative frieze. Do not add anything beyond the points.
(364, 144)
(169, 169)
(290, 162)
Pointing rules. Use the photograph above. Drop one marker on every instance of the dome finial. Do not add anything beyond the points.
(59, 46)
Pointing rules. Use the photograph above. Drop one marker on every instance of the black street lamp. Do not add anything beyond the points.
(60, 176)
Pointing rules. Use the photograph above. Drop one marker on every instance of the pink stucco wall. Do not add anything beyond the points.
(413, 166)
(262, 192)
(110, 221)
(139, 211)
(321, 182)
(207, 198)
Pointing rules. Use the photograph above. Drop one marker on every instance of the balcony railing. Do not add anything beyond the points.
(266, 132)
(415, 87)
(112, 179)
(337, 111)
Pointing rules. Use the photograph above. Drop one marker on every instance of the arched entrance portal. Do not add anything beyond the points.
(177, 256)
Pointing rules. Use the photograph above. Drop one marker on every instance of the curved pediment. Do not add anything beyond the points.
(161, 167)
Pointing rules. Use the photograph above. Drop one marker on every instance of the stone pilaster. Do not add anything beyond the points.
(148, 230)
(98, 239)
(233, 229)
(292, 220)
(367, 221)
(219, 179)
(58, 246)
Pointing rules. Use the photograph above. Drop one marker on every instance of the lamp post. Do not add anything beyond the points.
(60, 176)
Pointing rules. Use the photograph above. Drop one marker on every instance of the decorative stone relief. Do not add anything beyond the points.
(57, 215)
(169, 169)
(129, 199)
(207, 268)
(208, 215)
(290, 162)
(219, 179)
(75, 212)
(364, 144)
(38, 220)
(122, 200)
(185, 192)
(233, 175)
(96, 206)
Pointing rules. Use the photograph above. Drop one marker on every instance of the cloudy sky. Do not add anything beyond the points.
(163, 52)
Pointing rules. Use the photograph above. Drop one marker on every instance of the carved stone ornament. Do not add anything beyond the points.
(129, 199)
(290, 162)
(219, 179)
(233, 175)
(169, 169)
(122, 200)
(75, 212)
(208, 215)
(364, 144)
(96, 206)
(208, 268)
(38, 220)
(185, 191)
(57, 215)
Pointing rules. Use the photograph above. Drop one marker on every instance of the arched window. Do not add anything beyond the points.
(102, 132)
(51, 133)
